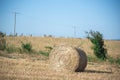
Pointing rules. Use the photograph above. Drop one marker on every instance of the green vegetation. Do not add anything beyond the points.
(48, 50)
(118, 61)
(113, 60)
(98, 44)
(93, 59)
(27, 47)
(44, 53)
(2, 44)
(11, 49)
(2, 41)
(95, 37)
(2, 34)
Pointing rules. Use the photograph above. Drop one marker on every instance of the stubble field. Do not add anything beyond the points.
(22, 66)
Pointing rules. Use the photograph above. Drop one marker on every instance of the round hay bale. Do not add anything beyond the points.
(64, 58)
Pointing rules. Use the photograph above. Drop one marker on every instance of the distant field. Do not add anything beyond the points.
(20, 66)
(39, 43)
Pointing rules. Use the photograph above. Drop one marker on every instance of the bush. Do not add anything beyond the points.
(27, 47)
(2, 41)
(2, 44)
(98, 44)
(2, 34)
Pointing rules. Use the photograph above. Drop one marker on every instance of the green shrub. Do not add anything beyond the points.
(2, 34)
(2, 41)
(27, 47)
(98, 44)
(2, 44)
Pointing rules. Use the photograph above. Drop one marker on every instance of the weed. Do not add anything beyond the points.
(48, 48)
(90, 59)
(118, 61)
(93, 59)
(11, 49)
(113, 60)
(27, 47)
(2, 41)
(2, 44)
(2, 34)
(44, 53)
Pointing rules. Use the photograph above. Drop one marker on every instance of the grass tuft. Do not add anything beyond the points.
(94, 59)
(114, 61)
(44, 53)
(27, 47)
(11, 49)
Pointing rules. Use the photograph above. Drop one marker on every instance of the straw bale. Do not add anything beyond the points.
(66, 58)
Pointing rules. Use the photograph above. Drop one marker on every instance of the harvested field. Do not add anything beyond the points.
(16, 66)
(26, 69)
(39, 43)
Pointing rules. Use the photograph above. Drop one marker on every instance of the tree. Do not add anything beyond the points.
(98, 44)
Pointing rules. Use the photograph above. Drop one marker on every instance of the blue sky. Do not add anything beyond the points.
(59, 17)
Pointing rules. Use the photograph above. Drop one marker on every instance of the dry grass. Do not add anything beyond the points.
(26, 69)
(113, 48)
(36, 67)
(39, 43)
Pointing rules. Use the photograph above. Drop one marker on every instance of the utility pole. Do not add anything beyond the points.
(15, 22)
